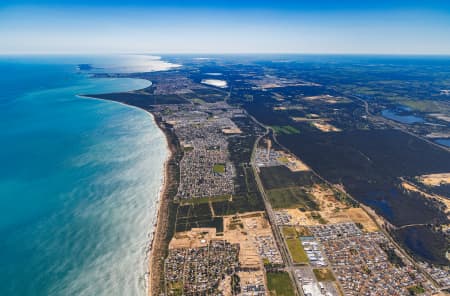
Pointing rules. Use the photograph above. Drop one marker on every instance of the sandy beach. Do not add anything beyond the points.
(157, 247)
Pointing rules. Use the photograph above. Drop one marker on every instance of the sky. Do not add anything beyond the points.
(220, 26)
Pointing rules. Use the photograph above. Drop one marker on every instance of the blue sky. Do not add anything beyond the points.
(110, 26)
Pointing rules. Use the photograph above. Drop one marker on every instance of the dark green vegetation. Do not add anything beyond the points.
(345, 198)
(197, 215)
(392, 255)
(279, 284)
(284, 188)
(281, 177)
(292, 197)
(369, 164)
(367, 157)
(205, 200)
(425, 243)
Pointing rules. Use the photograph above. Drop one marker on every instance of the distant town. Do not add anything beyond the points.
(284, 181)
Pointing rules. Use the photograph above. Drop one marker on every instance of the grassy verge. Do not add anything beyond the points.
(294, 245)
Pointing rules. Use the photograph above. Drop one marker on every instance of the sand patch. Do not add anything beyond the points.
(195, 238)
(215, 82)
(231, 131)
(293, 163)
(357, 215)
(325, 127)
(243, 229)
(435, 179)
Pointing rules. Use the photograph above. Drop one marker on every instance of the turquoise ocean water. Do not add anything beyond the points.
(79, 179)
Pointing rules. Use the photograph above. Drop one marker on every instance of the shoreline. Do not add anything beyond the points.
(160, 223)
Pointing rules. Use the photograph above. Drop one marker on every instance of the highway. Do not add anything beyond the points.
(285, 253)
(289, 266)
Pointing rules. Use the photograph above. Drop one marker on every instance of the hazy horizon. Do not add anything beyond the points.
(225, 27)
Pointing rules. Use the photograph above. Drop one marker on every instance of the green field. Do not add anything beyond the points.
(285, 129)
(292, 197)
(323, 275)
(294, 245)
(219, 168)
(427, 106)
(279, 284)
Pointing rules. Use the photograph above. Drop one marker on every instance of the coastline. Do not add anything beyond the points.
(160, 223)
(159, 233)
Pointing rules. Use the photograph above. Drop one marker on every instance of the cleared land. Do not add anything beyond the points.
(356, 215)
(279, 284)
(323, 275)
(292, 162)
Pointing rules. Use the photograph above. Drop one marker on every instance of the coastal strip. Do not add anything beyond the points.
(161, 233)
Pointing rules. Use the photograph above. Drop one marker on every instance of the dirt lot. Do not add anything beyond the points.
(301, 218)
(331, 211)
(292, 162)
(356, 215)
(326, 199)
(196, 237)
(240, 229)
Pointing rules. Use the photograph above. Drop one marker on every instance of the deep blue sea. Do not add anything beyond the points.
(79, 179)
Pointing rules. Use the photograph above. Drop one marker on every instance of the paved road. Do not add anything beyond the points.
(289, 266)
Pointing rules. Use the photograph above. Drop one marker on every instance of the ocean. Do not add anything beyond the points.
(79, 178)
